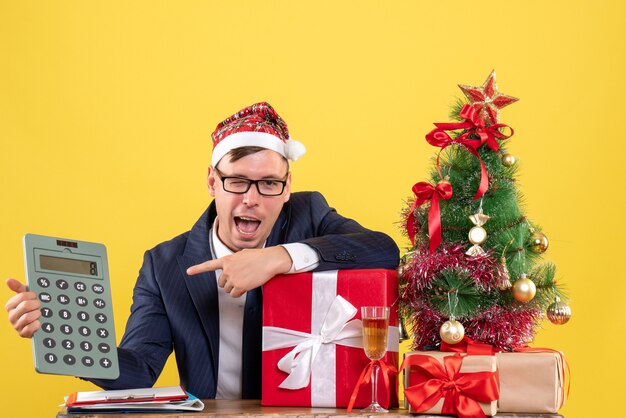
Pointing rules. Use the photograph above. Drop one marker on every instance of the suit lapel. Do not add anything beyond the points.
(281, 226)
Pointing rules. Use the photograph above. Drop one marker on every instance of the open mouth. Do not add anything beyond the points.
(246, 225)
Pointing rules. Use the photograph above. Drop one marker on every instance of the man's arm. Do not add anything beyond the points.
(340, 243)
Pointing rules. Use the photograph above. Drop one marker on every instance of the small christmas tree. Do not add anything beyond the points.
(475, 264)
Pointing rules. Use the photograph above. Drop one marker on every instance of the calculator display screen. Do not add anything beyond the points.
(68, 265)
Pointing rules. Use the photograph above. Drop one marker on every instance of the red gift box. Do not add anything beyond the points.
(312, 330)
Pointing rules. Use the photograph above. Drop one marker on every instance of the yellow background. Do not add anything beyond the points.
(106, 110)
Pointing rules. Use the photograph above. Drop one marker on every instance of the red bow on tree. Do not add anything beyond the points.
(474, 125)
(425, 192)
(461, 391)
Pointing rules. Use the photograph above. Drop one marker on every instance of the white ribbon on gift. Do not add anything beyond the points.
(313, 357)
(298, 362)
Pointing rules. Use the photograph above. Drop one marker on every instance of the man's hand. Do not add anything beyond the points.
(23, 309)
(246, 269)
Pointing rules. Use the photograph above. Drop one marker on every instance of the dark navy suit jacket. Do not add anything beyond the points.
(174, 311)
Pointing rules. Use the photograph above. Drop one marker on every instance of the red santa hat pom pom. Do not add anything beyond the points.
(259, 126)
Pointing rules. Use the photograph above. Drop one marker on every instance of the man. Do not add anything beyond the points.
(209, 312)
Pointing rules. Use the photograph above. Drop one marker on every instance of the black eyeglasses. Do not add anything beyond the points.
(265, 187)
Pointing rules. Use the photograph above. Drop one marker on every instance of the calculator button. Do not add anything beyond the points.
(83, 316)
(65, 314)
(45, 297)
(63, 299)
(81, 301)
(46, 312)
(62, 284)
(103, 333)
(43, 282)
(99, 303)
(66, 329)
(67, 344)
(50, 358)
(49, 342)
(69, 359)
(86, 346)
(47, 327)
(105, 362)
(87, 361)
(98, 288)
(84, 331)
(101, 318)
(104, 347)
(80, 286)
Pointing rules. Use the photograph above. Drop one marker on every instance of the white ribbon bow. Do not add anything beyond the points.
(336, 329)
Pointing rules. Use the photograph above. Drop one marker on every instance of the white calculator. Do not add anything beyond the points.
(71, 280)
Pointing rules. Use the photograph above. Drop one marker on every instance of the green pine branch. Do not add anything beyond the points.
(454, 293)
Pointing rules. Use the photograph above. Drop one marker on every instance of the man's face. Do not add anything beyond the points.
(246, 220)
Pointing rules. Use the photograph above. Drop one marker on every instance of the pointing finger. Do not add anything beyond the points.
(210, 265)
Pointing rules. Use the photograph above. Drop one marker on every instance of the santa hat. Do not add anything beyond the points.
(258, 126)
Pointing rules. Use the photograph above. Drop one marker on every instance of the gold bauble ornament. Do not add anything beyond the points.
(524, 289)
(559, 313)
(452, 331)
(538, 242)
(508, 160)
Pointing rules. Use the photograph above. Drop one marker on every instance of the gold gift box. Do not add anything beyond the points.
(531, 382)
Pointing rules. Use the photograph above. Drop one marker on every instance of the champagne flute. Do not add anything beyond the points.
(375, 329)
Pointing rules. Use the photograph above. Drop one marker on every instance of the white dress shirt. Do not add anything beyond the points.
(229, 380)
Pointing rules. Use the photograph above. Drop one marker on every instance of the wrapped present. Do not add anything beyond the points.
(450, 384)
(312, 337)
(531, 382)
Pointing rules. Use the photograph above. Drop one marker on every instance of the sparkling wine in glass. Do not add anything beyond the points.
(375, 329)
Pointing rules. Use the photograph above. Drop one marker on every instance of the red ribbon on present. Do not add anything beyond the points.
(366, 377)
(469, 346)
(423, 193)
(474, 125)
(461, 391)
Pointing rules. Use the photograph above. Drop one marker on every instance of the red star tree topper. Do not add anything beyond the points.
(488, 98)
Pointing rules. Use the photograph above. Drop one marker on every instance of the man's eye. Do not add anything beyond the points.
(269, 183)
(236, 182)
